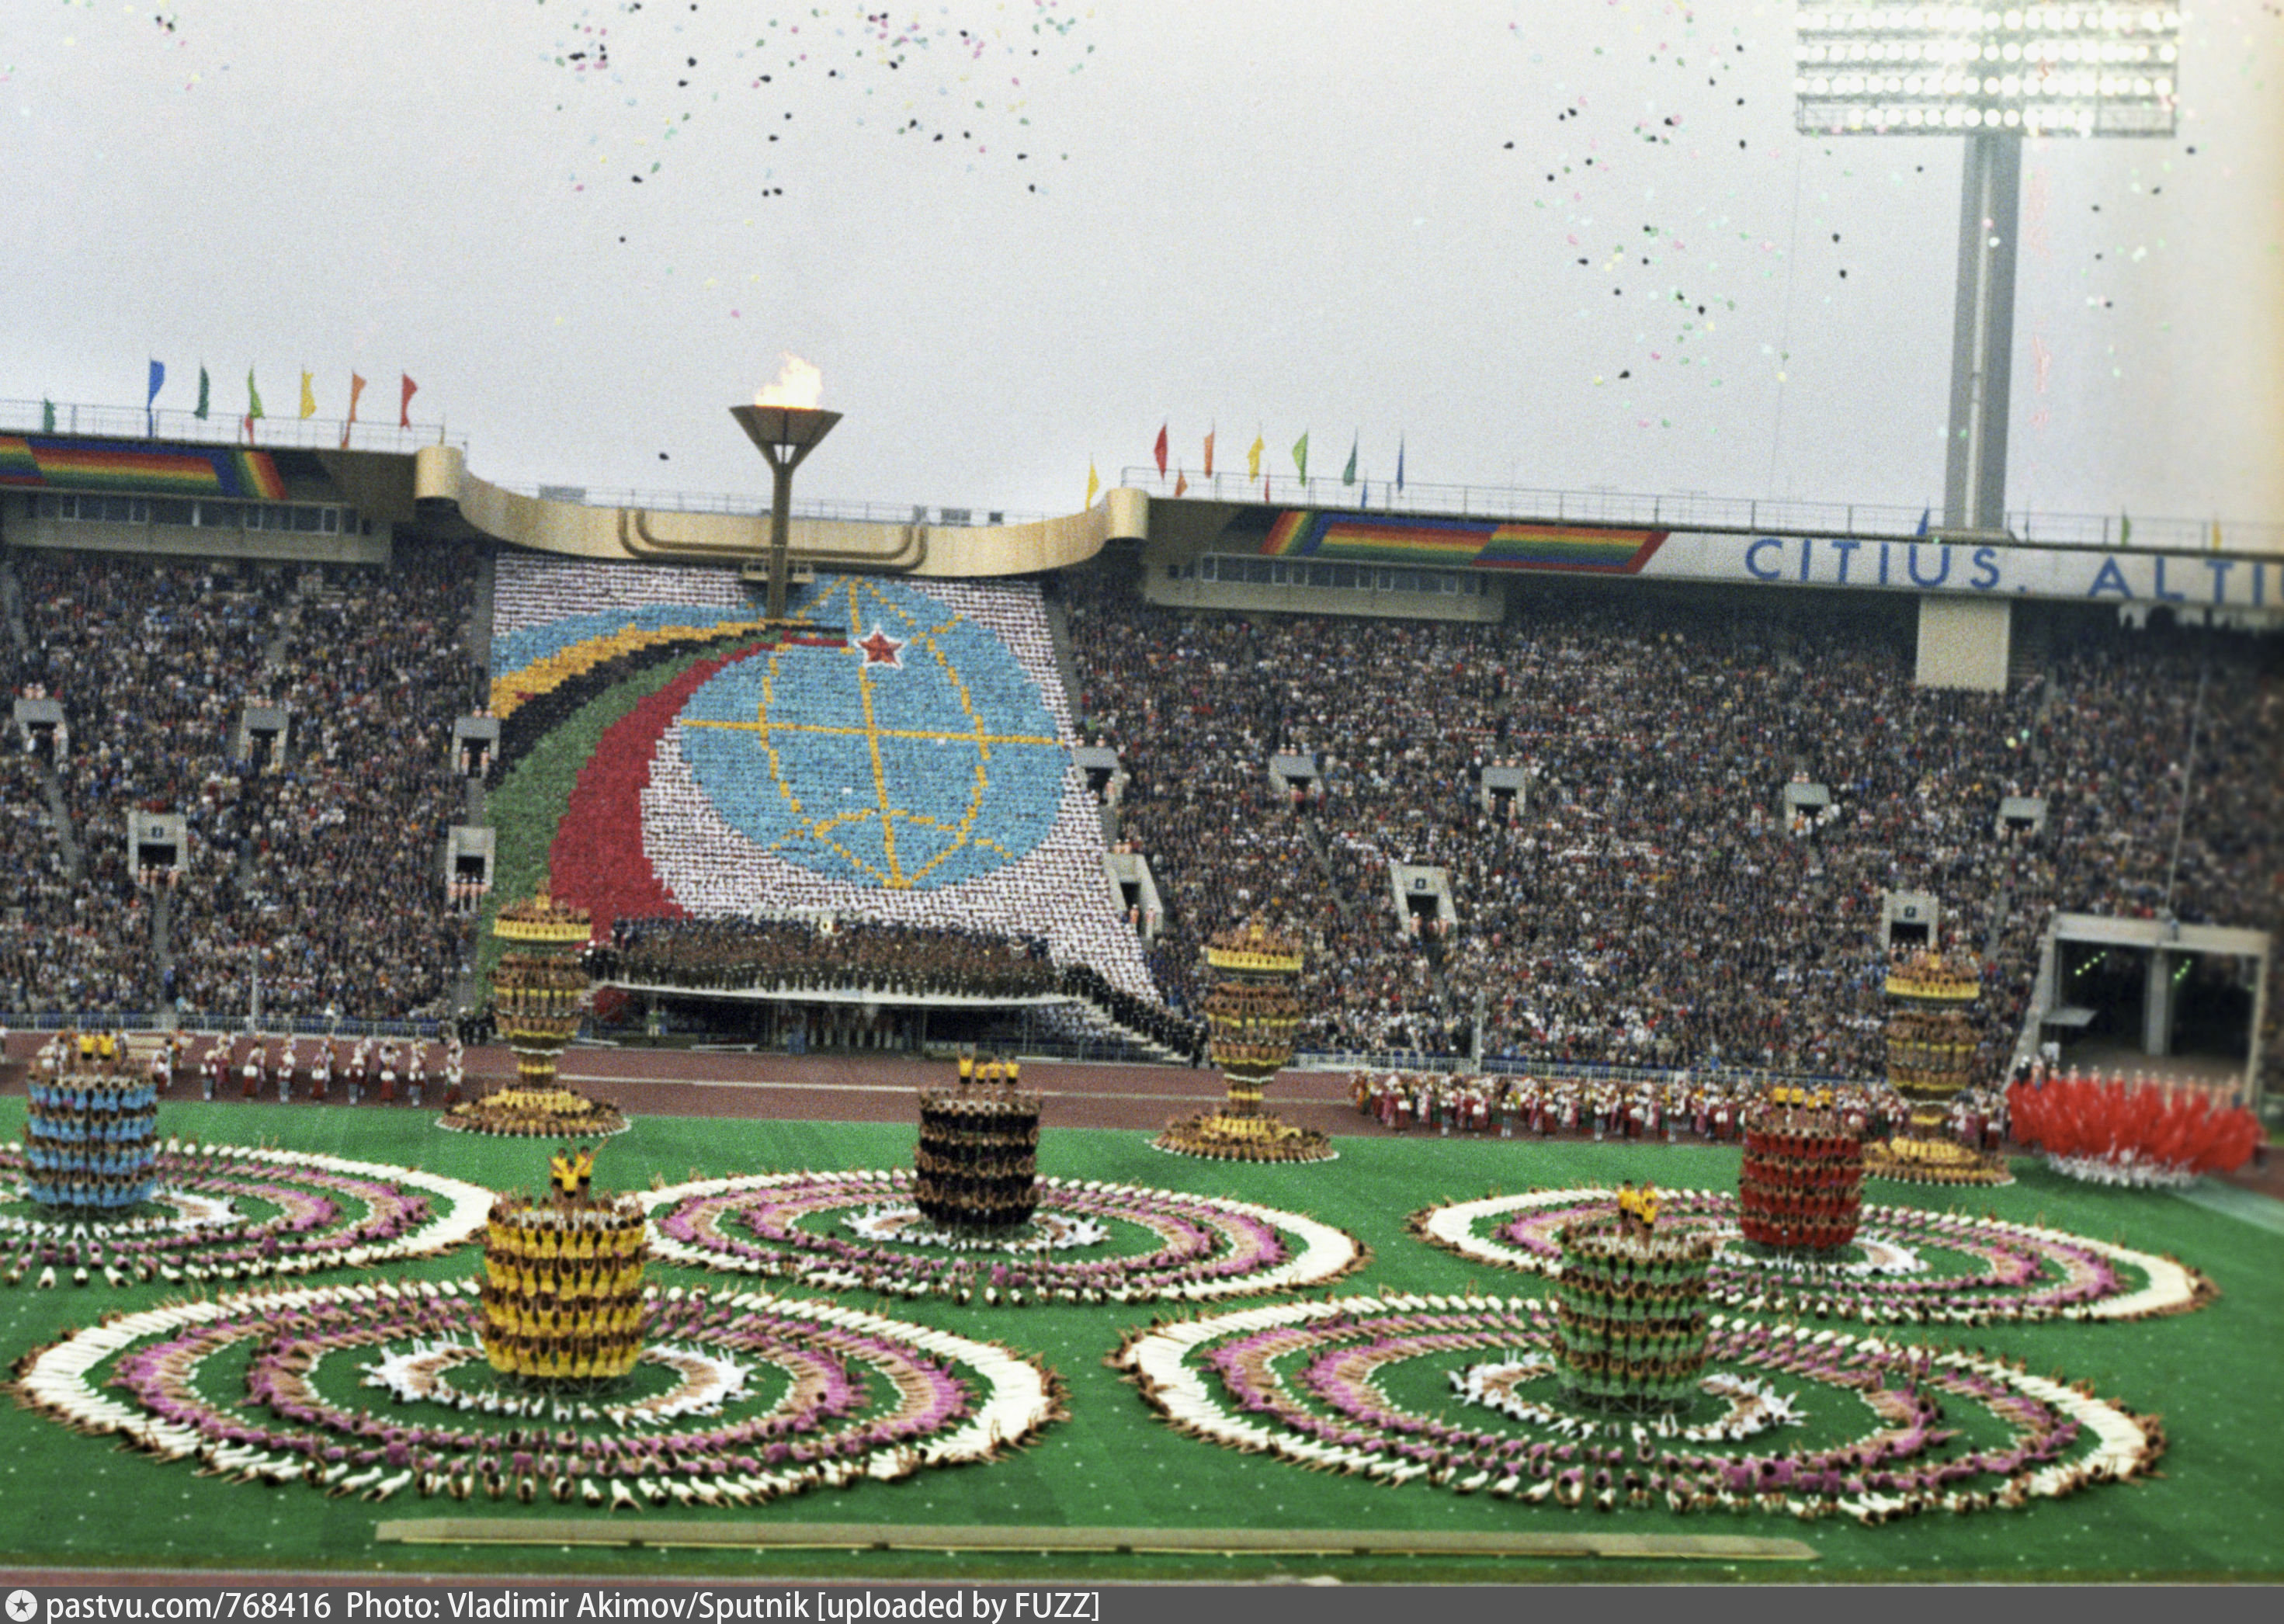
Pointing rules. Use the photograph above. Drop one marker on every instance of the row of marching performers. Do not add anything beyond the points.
(312, 1067)
(1710, 1109)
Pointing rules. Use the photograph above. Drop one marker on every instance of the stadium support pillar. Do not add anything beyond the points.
(2157, 1004)
(1965, 643)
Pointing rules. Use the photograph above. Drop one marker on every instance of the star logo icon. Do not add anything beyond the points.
(22, 1606)
(881, 649)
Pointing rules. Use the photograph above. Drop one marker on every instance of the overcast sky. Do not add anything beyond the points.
(1049, 227)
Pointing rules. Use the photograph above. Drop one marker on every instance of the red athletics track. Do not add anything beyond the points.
(861, 1088)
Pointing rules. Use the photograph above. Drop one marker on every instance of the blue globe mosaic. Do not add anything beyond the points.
(917, 755)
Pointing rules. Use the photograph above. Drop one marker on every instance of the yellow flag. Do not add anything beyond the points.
(309, 401)
(1094, 484)
(2215, 541)
(1253, 457)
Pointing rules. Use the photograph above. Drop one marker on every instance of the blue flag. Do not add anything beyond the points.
(1924, 514)
(158, 382)
(1399, 462)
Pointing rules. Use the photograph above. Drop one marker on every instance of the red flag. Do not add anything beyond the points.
(404, 404)
(1209, 435)
(1162, 450)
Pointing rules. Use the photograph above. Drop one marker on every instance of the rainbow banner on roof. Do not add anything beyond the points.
(35, 462)
(1457, 544)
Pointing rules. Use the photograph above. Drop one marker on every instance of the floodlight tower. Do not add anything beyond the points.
(1876, 68)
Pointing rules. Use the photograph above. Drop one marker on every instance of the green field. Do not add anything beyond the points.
(2217, 1511)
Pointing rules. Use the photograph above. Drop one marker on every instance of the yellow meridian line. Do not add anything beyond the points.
(896, 880)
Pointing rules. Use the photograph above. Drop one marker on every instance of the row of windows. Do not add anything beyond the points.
(303, 518)
(1345, 577)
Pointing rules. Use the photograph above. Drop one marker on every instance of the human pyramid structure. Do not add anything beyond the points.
(89, 1142)
(977, 1167)
(562, 1291)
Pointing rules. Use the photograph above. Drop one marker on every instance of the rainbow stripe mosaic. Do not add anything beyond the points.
(34, 462)
(1457, 544)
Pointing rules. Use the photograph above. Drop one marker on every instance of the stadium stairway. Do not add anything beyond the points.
(67, 840)
(1066, 663)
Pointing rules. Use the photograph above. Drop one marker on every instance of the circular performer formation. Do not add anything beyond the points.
(225, 1212)
(1907, 1265)
(1931, 1058)
(1837, 1425)
(382, 1389)
(553, 1112)
(1088, 1242)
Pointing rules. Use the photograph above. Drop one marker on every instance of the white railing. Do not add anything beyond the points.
(221, 427)
(1693, 509)
(757, 506)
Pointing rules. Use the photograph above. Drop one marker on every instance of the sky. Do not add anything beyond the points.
(1569, 244)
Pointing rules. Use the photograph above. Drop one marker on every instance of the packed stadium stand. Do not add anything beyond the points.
(313, 865)
(1649, 902)
(902, 758)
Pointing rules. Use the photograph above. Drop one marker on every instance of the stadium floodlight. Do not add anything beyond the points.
(785, 435)
(1874, 67)
(2039, 70)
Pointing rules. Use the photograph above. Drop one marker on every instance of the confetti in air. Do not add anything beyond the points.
(955, 77)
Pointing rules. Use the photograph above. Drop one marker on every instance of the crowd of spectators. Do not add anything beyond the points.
(1647, 900)
(311, 858)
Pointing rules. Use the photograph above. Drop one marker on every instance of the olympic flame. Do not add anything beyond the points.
(798, 385)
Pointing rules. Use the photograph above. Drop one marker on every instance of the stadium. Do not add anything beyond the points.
(1341, 1029)
(1589, 825)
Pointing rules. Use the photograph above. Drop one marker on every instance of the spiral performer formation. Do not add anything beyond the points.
(563, 1280)
(978, 1164)
(1802, 1186)
(1630, 1304)
(1254, 1014)
(1931, 1059)
(89, 1129)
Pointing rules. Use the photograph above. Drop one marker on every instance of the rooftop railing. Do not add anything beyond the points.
(1695, 510)
(218, 428)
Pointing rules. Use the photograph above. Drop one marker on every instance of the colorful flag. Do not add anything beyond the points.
(405, 402)
(1209, 435)
(356, 388)
(158, 382)
(47, 416)
(1347, 475)
(2124, 531)
(1181, 483)
(253, 396)
(309, 400)
(1399, 462)
(2216, 536)
(1924, 514)
(1365, 500)
(201, 412)
(1160, 451)
(1301, 456)
(1253, 457)
(1094, 484)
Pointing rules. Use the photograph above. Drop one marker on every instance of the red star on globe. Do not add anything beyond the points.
(881, 649)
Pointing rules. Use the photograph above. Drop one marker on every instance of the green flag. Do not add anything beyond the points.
(253, 396)
(201, 411)
(1300, 454)
(47, 416)
(1347, 475)
(2124, 531)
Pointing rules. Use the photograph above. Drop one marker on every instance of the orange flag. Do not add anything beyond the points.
(405, 402)
(1181, 483)
(1209, 435)
(356, 387)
